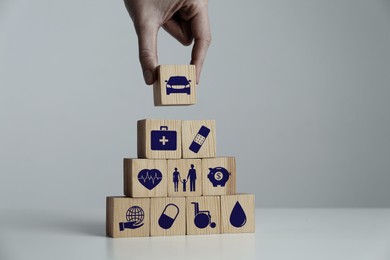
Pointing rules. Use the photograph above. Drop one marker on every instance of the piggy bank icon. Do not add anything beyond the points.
(218, 176)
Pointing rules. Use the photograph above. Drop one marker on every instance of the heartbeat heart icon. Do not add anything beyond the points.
(149, 178)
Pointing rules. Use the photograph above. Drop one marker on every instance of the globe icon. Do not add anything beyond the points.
(135, 214)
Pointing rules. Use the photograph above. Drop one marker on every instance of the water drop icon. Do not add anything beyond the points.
(237, 217)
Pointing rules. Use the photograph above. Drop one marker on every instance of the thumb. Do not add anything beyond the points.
(147, 46)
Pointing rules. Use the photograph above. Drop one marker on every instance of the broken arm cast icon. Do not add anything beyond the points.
(199, 139)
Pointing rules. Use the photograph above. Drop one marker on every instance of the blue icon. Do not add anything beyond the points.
(149, 178)
(134, 215)
(163, 140)
(178, 84)
(202, 218)
(184, 185)
(199, 139)
(168, 216)
(238, 217)
(218, 176)
(191, 177)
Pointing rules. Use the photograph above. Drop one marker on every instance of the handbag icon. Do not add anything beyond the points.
(163, 139)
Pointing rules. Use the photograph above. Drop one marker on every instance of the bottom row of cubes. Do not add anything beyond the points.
(175, 216)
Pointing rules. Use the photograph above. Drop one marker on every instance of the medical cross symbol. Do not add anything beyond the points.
(163, 140)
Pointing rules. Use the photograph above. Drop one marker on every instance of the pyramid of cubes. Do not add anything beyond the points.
(177, 185)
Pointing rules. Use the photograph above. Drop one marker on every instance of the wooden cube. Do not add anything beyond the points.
(184, 177)
(168, 216)
(219, 176)
(198, 138)
(145, 177)
(203, 215)
(175, 85)
(159, 139)
(238, 213)
(127, 217)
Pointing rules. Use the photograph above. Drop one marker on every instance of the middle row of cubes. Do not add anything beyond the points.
(179, 177)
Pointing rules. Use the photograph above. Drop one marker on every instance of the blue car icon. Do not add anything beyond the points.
(178, 84)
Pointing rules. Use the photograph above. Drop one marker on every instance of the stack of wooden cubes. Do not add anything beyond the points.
(177, 185)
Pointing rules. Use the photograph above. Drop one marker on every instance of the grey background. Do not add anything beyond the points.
(299, 89)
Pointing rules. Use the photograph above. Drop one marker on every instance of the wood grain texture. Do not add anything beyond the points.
(206, 203)
(247, 202)
(183, 166)
(190, 129)
(161, 207)
(163, 96)
(116, 208)
(229, 163)
(133, 186)
(144, 131)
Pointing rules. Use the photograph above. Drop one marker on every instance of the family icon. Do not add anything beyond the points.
(191, 177)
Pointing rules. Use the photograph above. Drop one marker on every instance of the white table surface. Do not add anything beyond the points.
(329, 234)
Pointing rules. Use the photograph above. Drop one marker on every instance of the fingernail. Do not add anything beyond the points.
(148, 76)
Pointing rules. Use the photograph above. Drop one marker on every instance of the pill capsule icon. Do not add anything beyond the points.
(168, 216)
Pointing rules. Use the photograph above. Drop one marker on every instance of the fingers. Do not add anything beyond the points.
(184, 22)
(147, 45)
(201, 31)
(180, 30)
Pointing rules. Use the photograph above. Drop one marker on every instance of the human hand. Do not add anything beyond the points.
(185, 20)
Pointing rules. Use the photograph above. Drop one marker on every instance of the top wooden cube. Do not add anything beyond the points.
(175, 85)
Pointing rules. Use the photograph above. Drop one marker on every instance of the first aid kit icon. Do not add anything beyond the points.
(163, 139)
